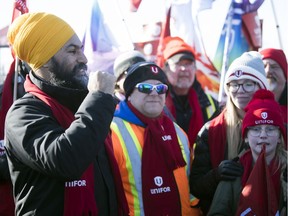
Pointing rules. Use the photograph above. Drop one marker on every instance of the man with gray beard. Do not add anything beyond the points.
(275, 62)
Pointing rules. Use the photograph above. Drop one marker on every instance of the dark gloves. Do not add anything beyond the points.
(228, 170)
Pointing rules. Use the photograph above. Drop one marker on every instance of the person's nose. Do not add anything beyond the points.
(82, 58)
(241, 89)
(153, 92)
(268, 69)
(263, 133)
(182, 68)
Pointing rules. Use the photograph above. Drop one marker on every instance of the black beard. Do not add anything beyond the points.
(68, 79)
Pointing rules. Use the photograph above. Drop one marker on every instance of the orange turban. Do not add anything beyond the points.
(37, 37)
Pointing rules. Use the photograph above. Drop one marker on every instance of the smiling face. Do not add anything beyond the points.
(241, 97)
(260, 135)
(275, 75)
(68, 66)
(150, 105)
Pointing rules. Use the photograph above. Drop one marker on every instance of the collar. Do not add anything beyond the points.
(70, 98)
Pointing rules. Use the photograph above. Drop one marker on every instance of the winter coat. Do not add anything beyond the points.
(42, 155)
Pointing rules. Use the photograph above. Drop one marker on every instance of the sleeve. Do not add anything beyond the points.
(225, 200)
(35, 138)
(203, 181)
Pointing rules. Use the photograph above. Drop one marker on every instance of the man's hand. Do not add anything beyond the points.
(101, 81)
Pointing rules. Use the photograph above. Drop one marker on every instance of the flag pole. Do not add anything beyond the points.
(277, 24)
(222, 95)
(15, 86)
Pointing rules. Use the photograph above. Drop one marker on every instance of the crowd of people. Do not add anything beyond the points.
(144, 141)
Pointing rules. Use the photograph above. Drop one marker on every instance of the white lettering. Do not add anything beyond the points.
(160, 190)
(166, 137)
(76, 183)
(264, 121)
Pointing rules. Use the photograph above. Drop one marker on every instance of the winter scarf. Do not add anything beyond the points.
(77, 200)
(217, 139)
(196, 121)
(261, 186)
(160, 157)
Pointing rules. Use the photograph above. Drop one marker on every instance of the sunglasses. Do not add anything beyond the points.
(147, 88)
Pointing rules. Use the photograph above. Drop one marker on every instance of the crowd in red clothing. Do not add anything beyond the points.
(157, 129)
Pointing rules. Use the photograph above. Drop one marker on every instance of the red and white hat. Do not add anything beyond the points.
(248, 66)
(263, 109)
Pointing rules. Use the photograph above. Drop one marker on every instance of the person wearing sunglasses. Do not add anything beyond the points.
(219, 141)
(150, 151)
(262, 189)
(187, 100)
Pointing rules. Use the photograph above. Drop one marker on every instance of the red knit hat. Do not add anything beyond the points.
(176, 45)
(263, 109)
(277, 55)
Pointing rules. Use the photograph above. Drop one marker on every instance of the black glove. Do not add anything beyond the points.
(228, 170)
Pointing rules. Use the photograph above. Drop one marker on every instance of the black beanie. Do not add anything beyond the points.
(140, 72)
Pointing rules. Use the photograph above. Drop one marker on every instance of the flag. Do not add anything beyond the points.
(258, 196)
(134, 5)
(200, 5)
(6, 196)
(237, 36)
(105, 37)
(165, 33)
(184, 24)
(19, 8)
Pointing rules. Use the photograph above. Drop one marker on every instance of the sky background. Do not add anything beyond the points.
(211, 20)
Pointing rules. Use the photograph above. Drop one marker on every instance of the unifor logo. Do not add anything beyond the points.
(264, 115)
(154, 69)
(158, 181)
(238, 73)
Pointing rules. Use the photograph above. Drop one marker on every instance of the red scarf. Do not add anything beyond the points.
(196, 120)
(160, 157)
(217, 139)
(6, 196)
(263, 197)
(78, 200)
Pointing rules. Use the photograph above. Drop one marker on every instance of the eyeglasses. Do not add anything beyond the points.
(270, 131)
(177, 66)
(147, 88)
(248, 86)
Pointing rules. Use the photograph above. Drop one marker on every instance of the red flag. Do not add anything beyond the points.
(165, 33)
(258, 196)
(20, 7)
(134, 4)
(6, 196)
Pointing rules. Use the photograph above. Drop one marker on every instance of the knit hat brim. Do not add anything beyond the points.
(140, 72)
(248, 66)
(263, 109)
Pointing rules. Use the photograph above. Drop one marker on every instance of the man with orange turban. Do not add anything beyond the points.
(55, 133)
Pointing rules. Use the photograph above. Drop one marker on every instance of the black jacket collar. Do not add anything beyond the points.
(70, 98)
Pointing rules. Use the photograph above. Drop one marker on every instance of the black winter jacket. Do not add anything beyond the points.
(42, 155)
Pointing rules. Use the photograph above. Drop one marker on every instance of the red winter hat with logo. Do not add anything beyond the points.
(277, 55)
(263, 109)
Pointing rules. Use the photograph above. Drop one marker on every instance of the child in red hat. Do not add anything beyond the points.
(262, 189)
